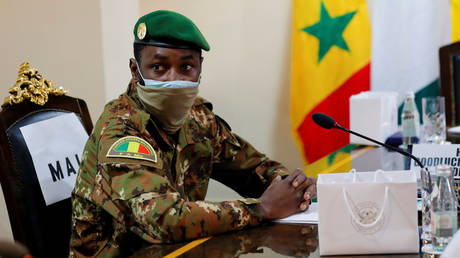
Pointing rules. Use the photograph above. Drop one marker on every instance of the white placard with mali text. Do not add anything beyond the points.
(56, 146)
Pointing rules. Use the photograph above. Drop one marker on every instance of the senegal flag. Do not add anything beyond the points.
(332, 48)
(330, 62)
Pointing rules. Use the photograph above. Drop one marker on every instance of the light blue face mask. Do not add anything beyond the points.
(167, 84)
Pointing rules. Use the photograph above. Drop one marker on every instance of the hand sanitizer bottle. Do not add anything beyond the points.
(410, 120)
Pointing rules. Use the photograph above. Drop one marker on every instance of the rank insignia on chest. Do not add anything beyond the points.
(132, 147)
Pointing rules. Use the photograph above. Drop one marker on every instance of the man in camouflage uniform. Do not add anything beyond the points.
(146, 166)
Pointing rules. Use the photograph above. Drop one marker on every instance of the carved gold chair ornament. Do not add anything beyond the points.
(30, 85)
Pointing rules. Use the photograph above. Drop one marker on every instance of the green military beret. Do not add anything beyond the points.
(169, 29)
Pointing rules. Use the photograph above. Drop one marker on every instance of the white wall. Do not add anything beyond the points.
(118, 19)
(62, 39)
(5, 228)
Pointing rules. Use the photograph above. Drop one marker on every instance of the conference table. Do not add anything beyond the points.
(274, 239)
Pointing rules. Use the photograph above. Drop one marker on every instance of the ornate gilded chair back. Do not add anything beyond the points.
(44, 229)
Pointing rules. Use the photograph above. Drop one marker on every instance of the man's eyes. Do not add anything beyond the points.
(161, 67)
(157, 67)
(187, 67)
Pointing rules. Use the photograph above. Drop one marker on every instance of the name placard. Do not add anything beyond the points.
(432, 155)
(56, 147)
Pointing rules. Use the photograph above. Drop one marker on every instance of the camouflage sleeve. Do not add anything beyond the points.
(85, 224)
(158, 213)
(240, 166)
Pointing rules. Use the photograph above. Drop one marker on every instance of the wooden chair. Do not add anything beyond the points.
(449, 57)
(45, 230)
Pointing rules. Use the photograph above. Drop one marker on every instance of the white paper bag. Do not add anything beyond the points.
(373, 114)
(368, 213)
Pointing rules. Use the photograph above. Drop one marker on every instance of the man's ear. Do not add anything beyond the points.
(133, 67)
(201, 63)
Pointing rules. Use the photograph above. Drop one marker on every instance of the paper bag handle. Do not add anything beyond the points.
(352, 214)
(377, 172)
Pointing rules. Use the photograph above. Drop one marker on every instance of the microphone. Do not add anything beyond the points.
(328, 122)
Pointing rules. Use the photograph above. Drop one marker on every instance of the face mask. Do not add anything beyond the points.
(169, 104)
(169, 84)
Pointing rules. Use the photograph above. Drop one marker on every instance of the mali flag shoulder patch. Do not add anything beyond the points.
(132, 147)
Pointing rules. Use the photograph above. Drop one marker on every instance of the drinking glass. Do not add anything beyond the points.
(434, 120)
(427, 180)
(427, 187)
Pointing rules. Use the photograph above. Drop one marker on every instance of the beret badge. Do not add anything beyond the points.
(141, 31)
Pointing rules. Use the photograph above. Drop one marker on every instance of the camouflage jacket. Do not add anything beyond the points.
(137, 185)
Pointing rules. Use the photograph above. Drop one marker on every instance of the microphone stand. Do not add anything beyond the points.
(425, 176)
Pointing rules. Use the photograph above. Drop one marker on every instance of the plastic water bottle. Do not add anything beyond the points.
(443, 209)
(410, 120)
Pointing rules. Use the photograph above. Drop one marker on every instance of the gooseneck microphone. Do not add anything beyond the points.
(328, 122)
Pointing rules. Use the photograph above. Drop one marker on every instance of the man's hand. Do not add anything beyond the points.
(287, 196)
(299, 180)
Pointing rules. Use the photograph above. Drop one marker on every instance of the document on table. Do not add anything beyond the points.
(455, 130)
(309, 216)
